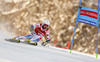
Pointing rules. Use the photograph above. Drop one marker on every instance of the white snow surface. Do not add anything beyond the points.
(20, 52)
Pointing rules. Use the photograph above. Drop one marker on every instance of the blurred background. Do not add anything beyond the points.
(16, 16)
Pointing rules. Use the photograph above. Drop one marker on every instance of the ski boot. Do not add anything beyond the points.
(28, 41)
(18, 41)
(35, 44)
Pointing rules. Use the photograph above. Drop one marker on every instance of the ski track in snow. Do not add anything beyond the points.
(20, 52)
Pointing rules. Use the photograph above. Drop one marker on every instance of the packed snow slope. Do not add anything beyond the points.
(20, 52)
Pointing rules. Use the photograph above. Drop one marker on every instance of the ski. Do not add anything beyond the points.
(10, 40)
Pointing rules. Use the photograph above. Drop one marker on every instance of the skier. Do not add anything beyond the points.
(37, 33)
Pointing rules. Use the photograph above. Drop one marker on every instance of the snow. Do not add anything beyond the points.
(20, 52)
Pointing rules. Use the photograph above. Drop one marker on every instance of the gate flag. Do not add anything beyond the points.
(87, 16)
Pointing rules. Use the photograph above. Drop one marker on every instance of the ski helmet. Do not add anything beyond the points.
(46, 22)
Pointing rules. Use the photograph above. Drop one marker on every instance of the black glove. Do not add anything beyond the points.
(44, 43)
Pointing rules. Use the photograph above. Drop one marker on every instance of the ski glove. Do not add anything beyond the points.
(32, 29)
(44, 43)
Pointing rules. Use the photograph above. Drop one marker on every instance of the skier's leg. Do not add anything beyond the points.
(18, 38)
(35, 38)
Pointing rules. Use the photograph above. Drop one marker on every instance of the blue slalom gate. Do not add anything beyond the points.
(87, 16)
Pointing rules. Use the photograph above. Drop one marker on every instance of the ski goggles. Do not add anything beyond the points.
(45, 25)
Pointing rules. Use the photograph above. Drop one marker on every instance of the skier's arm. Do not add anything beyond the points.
(48, 38)
(32, 27)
